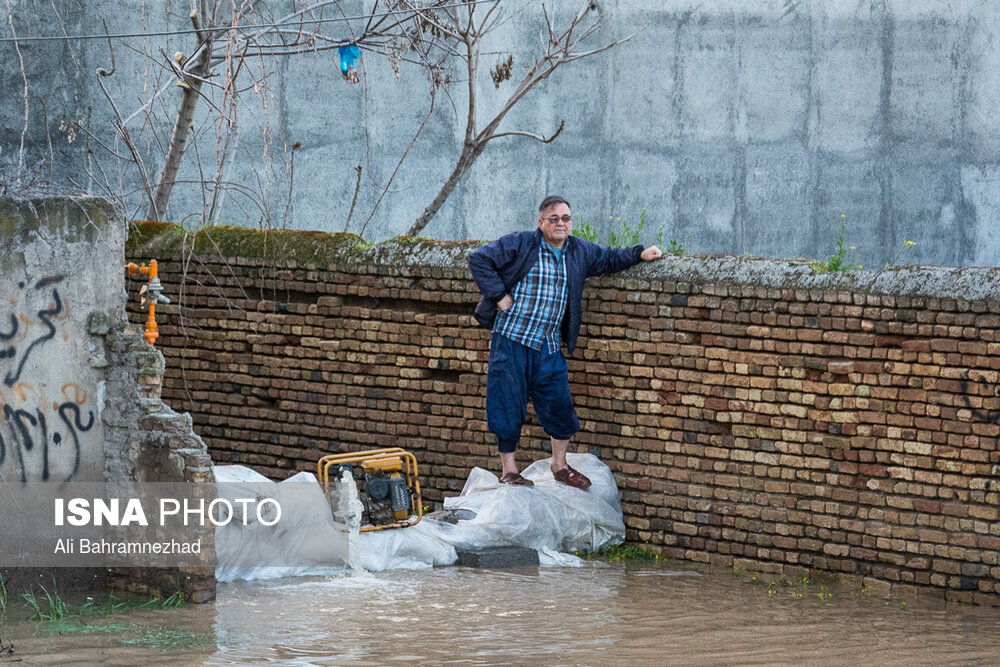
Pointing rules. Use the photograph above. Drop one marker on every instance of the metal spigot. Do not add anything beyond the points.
(151, 294)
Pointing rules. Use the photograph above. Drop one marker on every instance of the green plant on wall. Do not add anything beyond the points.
(584, 229)
(900, 253)
(623, 234)
(628, 235)
(673, 248)
(838, 261)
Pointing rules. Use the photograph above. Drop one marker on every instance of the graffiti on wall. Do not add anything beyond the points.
(978, 384)
(40, 433)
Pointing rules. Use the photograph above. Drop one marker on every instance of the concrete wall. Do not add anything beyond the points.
(755, 415)
(741, 127)
(54, 272)
(79, 393)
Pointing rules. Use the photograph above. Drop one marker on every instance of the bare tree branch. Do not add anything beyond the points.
(430, 110)
(557, 49)
(122, 130)
(24, 79)
(537, 137)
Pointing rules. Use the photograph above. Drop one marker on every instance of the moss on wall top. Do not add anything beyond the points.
(162, 240)
(74, 218)
(159, 239)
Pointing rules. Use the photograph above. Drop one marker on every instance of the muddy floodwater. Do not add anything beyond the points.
(639, 613)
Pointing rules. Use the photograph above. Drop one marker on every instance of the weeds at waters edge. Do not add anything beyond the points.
(802, 587)
(114, 604)
(51, 607)
(54, 608)
(618, 553)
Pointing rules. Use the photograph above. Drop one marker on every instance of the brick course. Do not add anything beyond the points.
(754, 416)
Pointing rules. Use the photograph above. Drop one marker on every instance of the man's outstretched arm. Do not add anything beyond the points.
(602, 261)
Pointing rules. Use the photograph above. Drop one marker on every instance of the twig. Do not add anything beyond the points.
(201, 171)
(24, 79)
(398, 164)
(122, 130)
(537, 137)
(48, 135)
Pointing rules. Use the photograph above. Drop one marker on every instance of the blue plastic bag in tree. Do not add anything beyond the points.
(348, 56)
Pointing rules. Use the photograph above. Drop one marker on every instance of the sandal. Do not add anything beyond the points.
(515, 479)
(572, 477)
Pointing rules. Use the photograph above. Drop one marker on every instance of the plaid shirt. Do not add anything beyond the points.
(539, 303)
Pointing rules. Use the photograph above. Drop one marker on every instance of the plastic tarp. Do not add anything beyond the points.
(551, 517)
(308, 539)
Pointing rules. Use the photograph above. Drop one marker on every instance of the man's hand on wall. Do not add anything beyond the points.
(651, 254)
(506, 302)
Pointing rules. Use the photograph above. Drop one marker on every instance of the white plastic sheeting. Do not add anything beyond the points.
(307, 539)
(551, 517)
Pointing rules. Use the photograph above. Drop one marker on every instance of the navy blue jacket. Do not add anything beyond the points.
(499, 266)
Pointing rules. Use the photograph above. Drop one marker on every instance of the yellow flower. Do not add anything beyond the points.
(909, 243)
(842, 216)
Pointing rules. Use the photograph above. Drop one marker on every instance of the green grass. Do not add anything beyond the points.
(822, 586)
(621, 233)
(174, 601)
(143, 636)
(628, 235)
(114, 604)
(49, 608)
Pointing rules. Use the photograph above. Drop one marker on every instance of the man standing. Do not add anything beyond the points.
(532, 285)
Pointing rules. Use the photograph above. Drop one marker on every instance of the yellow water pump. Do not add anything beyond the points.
(390, 491)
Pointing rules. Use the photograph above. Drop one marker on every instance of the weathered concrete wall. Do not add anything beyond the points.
(755, 415)
(79, 393)
(741, 127)
(54, 271)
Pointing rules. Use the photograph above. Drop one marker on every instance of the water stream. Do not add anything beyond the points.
(601, 614)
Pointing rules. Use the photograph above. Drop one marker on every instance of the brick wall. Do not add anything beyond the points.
(755, 415)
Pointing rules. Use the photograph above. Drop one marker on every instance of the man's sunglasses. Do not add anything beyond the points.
(553, 219)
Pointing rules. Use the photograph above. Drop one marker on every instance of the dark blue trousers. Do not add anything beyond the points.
(518, 374)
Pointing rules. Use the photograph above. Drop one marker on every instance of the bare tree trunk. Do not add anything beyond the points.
(471, 148)
(468, 156)
(182, 128)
